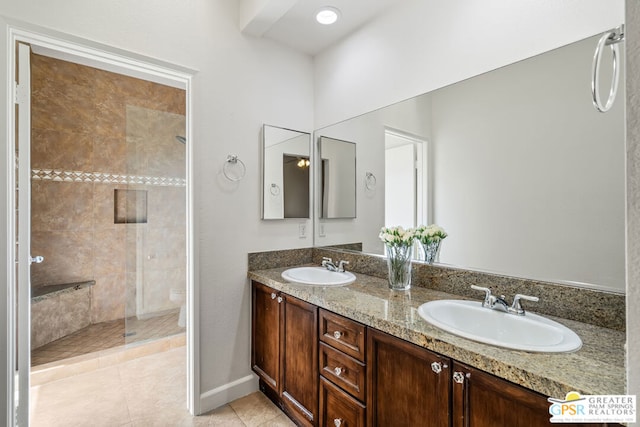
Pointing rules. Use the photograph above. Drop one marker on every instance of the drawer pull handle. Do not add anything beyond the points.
(337, 422)
(338, 371)
(273, 295)
(337, 335)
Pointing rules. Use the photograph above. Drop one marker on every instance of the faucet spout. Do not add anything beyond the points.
(498, 303)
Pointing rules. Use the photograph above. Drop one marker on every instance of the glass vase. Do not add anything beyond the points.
(430, 250)
(399, 263)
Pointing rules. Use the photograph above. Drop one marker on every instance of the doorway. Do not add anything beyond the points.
(86, 218)
(406, 184)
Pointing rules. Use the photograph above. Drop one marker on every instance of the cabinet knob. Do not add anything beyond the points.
(337, 422)
(273, 295)
(337, 370)
(436, 367)
(459, 377)
(337, 335)
(279, 300)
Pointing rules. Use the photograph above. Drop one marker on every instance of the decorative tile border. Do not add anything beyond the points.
(104, 178)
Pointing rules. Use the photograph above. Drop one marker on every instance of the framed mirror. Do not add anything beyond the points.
(286, 171)
(518, 167)
(337, 168)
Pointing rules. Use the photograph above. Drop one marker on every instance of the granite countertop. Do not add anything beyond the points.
(597, 368)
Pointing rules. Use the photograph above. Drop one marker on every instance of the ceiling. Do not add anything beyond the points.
(292, 22)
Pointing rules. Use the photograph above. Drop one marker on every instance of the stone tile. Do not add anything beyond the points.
(280, 421)
(107, 298)
(75, 400)
(109, 251)
(255, 409)
(167, 206)
(68, 257)
(110, 154)
(61, 150)
(165, 248)
(59, 206)
(59, 316)
(223, 417)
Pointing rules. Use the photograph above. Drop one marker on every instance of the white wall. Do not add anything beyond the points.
(633, 196)
(242, 83)
(535, 150)
(426, 45)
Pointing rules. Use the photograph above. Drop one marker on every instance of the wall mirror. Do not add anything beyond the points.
(337, 181)
(515, 164)
(286, 165)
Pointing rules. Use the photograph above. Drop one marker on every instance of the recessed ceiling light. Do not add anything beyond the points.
(327, 15)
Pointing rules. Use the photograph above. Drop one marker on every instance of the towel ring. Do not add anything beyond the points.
(274, 190)
(370, 181)
(233, 168)
(610, 38)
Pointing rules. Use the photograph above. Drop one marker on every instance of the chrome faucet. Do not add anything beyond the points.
(329, 265)
(499, 303)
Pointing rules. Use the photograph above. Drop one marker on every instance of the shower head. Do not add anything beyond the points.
(181, 139)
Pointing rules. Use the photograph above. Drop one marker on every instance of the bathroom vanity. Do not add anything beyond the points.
(360, 355)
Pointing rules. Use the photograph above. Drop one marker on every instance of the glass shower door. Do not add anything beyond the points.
(152, 209)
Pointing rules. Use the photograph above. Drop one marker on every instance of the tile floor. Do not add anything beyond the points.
(101, 336)
(146, 392)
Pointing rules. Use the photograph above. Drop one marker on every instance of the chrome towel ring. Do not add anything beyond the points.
(610, 38)
(233, 168)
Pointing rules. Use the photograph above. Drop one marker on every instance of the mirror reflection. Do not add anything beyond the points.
(337, 178)
(286, 171)
(526, 177)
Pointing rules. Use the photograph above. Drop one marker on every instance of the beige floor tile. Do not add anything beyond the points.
(280, 421)
(93, 398)
(255, 409)
(223, 417)
(170, 418)
(145, 392)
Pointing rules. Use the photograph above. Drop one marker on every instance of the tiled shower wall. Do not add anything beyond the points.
(94, 132)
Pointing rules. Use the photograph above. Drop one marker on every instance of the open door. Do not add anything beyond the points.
(23, 230)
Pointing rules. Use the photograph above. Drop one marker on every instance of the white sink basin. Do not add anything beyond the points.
(318, 276)
(470, 320)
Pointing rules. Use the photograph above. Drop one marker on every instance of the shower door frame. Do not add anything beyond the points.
(86, 52)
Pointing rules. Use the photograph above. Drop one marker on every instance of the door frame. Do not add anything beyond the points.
(98, 55)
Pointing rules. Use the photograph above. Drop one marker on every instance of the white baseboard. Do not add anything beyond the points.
(226, 393)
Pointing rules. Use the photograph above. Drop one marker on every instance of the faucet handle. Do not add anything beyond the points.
(487, 294)
(341, 265)
(516, 307)
(326, 260)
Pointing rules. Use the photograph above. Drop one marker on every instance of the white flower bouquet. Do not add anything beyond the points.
(399, 244)
(430, 237)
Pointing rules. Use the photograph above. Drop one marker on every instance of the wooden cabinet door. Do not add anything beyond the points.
(300, 360)
(483, 400)
(406, 385)
(266, 316)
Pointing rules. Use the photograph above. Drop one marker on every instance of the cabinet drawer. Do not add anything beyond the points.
(338, 409)
(343, 334)
(343, 370)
